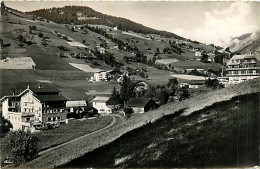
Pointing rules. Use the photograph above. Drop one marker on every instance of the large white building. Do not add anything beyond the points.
(241, 68)
(34, 106)
(101, 76)
(102, 104)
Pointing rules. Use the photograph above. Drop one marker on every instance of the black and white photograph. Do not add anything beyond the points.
(129, 84)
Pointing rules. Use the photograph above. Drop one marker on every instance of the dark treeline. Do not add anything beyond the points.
(68, 15)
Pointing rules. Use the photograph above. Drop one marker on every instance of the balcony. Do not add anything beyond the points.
(54, 110)
(244, 68)
(244, 74)
(251, 61)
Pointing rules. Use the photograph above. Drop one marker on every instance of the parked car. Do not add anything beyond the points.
(38, 126)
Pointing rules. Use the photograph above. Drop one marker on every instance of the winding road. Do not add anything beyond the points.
(116, 121)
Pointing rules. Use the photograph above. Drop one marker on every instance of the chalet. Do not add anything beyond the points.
(141, 105)
(186, 66)
(198, 54)
(140, 86)
(242, 68)
(192, 84)
(75, 105)
(102, 50)
(103, 104)
(101, 76)
(34, 106)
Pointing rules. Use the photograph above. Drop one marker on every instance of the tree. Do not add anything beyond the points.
(21, 38)
(126, 89)
(154, 59)
(172, 86)
(114, 96)
(126, 59)
(183, 93)
(128, 111)
(204, 57)
(214, 83)
(157, 51)
(150, 93)
(40, 35)
(23, 146)
(165, 50)
(5, 126)
(162, 94)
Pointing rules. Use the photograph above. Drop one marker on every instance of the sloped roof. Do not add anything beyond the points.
(166, 61)
(239, 57)
(76, 103)
(46, 98)
(101, 98)
(138, 102)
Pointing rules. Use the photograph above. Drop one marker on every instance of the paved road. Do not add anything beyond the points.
(116, 120)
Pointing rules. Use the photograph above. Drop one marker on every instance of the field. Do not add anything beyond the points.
(70, 131)
(65, 133)
(74, 84)
(85, 67)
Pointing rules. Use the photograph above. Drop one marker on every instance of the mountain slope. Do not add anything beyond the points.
(246, 43)
(86, 15)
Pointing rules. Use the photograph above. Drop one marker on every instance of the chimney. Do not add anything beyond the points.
(13, 92)
(39, 86)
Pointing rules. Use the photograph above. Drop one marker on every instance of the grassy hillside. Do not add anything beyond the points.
(68, 14)
(189, 106)
(223, 135)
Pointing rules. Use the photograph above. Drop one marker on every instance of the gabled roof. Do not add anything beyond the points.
(76, 103)
(101, 98)
(166, 61)
(138, 102)
(239, 57)
(46, 98)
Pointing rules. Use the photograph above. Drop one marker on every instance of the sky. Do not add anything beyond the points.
(207, 22)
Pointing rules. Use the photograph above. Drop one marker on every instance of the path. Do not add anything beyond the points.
(116, 120)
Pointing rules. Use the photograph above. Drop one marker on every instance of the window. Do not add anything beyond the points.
(28, 119)
(49, 118)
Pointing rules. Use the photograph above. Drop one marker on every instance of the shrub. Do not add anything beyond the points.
(96, 64)
(128, 111)
(63, 48)
(214, 83)
(23, 146)
(5, 126)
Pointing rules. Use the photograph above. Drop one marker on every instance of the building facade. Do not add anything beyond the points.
(102, 105)
(101, 76)
(34, 106)
(241, 68)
